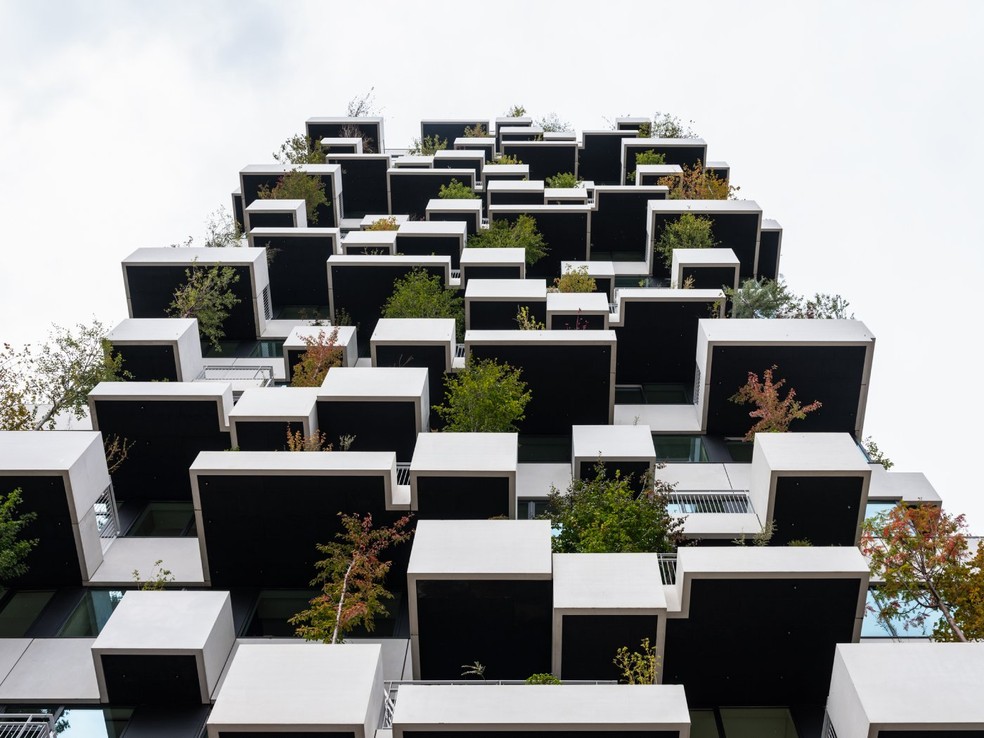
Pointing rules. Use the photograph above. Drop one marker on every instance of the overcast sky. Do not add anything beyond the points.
(858, 126)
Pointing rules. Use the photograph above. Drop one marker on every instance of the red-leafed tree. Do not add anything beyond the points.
(921, 554)
(773, 411)
(351, 578)
(322, 354)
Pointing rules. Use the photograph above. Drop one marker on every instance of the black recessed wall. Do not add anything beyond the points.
(145, 679)
(931, 734)
(167, 435)
(684, 156)
(559, 398)
(151, 290)
(149, 363)
(736, 231)
(500, 315)
(369, 131)
(462, 498)
(546, 160)
(768, 261)
(238, 211)
(261, 530)
(580, 322)
(433, 358)
(54, 562)
(565, 234)
(449, 130)
(799, 499)
(363, 289)
(412, 189)
(462, 163)
(522, 197)
(364, 185)
(541, 733)
(710, 278)
(637, 469)
(492, 272)
(619, 223)
(264, 435)
(469, 219)
(830, 374)
(324, 215)
(435, 245)
(297, 267)
(377, 426)
(504, 624)
(292, 734)
(755, 642)
(601, 157)
(487, 149)
(272, 220)
(590, 643)
(658, 342)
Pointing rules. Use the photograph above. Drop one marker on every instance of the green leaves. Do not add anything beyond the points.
(208, 297)
(297, 185)
(689, 231)
(563, 179)
(456, 190)
(522, 234)
(420, 295)
(773, 299)
(485, 397)
(13, 550)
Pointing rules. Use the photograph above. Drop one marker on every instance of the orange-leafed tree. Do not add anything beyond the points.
(921, 554)
(773, 411)
(351, 578)
(322, 354)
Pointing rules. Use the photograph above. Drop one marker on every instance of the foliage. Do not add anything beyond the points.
(383, 224)
(420, 295)
(689, 231)
(665, 125)
(116, 449)
(300, 149)
(608, 515)
(649, 156)
(576, 280)
(564, 179)
(322, 353)
(875, 454)
(428, 146)
(506, 159)
(222, 230)
(553, 122)
(159, 577)
(36, 384)
(13, 549)
(773, 299)
(351, 578)
(542, 679)
(521, 234)
(207, 296)
(484, 397)
(774, 413)
(638, 667)
(456, 190)
(297, 185)
(761, 538)
(696, 183)
(362, 106)
(516, 111)
(802, 542)
(921, 555)
(297, 441)
(476, 131)
(355, 131)
(528, 322)
(476, 668)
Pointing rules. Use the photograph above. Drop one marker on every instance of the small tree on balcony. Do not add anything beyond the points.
(696, 183)
(521, 234)
(774, 412)
(484, 397)
(421, 295)
(689, 231)
(207, 296)
(456, 190)
(296, 185)
(321, 355)
(351, 578)
(300, 149)
(14, 549)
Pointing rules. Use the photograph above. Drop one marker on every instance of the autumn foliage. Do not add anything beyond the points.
(773, 411)
(921, 554)
(322, 354)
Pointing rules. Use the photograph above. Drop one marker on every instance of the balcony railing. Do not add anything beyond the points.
(720, 502)
(403, 472)
(668, 568)
(107, 516)
(27, 725)
(241, 377)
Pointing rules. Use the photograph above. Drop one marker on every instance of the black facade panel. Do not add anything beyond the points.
(491, 272)
(369, 131)
(565, 234)
(591, 642)
(657, 342)
(710, 278)
(736, 231)
(264, 435)
(546, 160)
(377, 426)
(298, 267)
(432, 245)
(412, 189)
(541, 733)
(149, 363)
(600, 159)
(142, 679)
(432, 358)
(462, 497)
(800, 499)
(364, 186)
(500, 315)
(619, 222)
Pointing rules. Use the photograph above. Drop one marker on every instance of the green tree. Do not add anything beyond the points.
(484, 397)
(383, 224)
(296, 185)
(553, 122)
(37, 384)
(476, 131)
(665, 125)
(322, 354)
(920, 554)
(689, 231)
(644, 158)
(427, 146)
(208, 297)
(773, 299)
(521, 234)
(696, 183)
(363, 106)
(351, 578)
(609, 515)
(14, 549)
(420, 295)
(516, 111)
(638, 667)
(456, 190)
(300, 149)
(564, 179)
(774, 412)
(875, 454)
(576, 280)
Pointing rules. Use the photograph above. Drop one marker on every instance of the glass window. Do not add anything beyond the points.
(20, 610)
(772, 722)
(268, 349)
(274, 608)
(703, 724)
(679, 449)
(741, 451)
(531, 509)
(92, 612)
(80, 722)
(165, 520)
(874, 627)
(874, 508)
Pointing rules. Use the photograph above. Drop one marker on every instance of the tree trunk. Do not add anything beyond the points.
(341, 602)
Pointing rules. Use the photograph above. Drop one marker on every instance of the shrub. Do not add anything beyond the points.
(576, 280)
(428, 146)
(505, 159)
(485, 397)
(456, 190)
(527, 322)
(565, 179)
(638, 667)
(522, 234)
(322, 354)
(207, 296)
(476, 131)
(774, 413)
(696, 183)
(644, 157)
(420, 295)
(542, 679)
(516, 111)
(773, 299)
(383, 224)
(297, 185)
(689, 231)
(300, 149)
(553, 122)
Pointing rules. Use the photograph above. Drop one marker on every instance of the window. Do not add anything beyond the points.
(20, 609)
(91, 614)
(679, 449)
(874, 627)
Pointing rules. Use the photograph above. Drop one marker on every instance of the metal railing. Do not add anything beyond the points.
(668, 568)
(455, 275)
(391, 690)
(254, 376)
(27, 725)
(107, 516)
(403, 472)
(709, 501)
(828, 727)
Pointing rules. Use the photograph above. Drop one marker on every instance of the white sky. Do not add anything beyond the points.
(858, 126)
